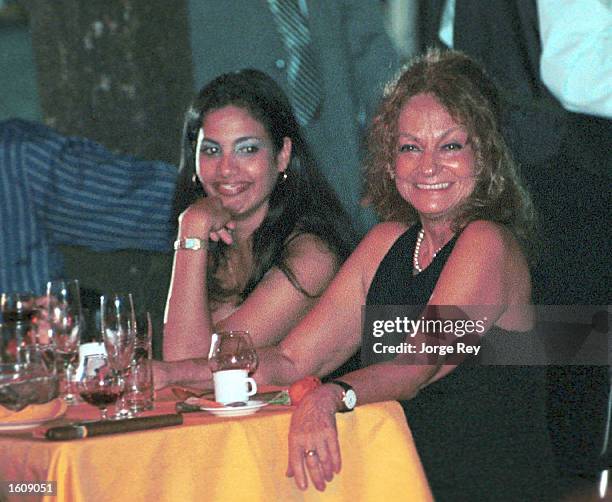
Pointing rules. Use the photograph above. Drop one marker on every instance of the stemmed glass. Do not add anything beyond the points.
(118, 321)
(231, 350)
(99, 385)
(64, 321)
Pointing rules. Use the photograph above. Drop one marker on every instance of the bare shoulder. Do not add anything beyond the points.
(383, 235)
(487, 240)
(373, 248)
(308, 247)
(312, 262)
(488, 249)
(484, 231)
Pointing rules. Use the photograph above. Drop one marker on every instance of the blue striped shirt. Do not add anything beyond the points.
(58, 190)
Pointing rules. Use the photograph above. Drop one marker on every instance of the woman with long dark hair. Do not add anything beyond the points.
(260, 232)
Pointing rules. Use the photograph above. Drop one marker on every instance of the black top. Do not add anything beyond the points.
(481, 430)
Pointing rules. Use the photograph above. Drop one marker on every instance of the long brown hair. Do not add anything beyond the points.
(303, 203)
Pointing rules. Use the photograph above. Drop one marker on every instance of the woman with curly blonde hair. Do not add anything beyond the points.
(499, 194)
(451, 248)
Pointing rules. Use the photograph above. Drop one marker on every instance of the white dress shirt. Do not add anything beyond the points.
(576, 60)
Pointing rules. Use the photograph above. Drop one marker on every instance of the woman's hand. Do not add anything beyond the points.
(313, 438)
(207, 219)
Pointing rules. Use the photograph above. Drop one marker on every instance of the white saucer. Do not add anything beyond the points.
(237, 411)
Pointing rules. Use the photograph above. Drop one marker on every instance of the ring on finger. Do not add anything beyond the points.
(310, 453)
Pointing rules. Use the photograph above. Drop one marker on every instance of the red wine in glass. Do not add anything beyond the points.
(100, 393)
(99, 385)
(100, 398)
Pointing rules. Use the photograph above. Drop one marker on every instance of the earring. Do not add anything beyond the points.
(391, 173)
(284, 175)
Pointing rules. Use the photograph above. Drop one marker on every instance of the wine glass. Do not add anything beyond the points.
(231, 350)
(118, 321)
(64, 318)
(99, 385)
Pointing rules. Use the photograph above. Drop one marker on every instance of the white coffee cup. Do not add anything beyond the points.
(233, 386)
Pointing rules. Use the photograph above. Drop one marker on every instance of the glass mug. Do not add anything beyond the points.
(139, 381)
(231, 359)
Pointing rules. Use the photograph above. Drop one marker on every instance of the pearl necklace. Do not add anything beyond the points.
(417, 248)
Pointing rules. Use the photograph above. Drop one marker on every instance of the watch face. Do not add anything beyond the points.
(193, 244)
(350, 399)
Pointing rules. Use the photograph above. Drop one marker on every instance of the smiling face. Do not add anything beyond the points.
(434, 166)
(237, 163)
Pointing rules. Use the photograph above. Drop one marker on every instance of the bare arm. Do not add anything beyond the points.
(269, 313)
(331, 332)
(187, 323)
(277, 305)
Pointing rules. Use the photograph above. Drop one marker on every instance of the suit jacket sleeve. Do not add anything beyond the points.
(375, 60)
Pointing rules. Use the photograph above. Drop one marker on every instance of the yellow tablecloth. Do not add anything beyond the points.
(221, 459)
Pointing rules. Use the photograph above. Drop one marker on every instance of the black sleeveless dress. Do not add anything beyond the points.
(481, 430)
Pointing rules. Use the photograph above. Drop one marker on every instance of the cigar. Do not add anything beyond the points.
(102, 427)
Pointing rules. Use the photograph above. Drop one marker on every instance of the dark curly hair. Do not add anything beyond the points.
(303, 203)
(471, 98)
